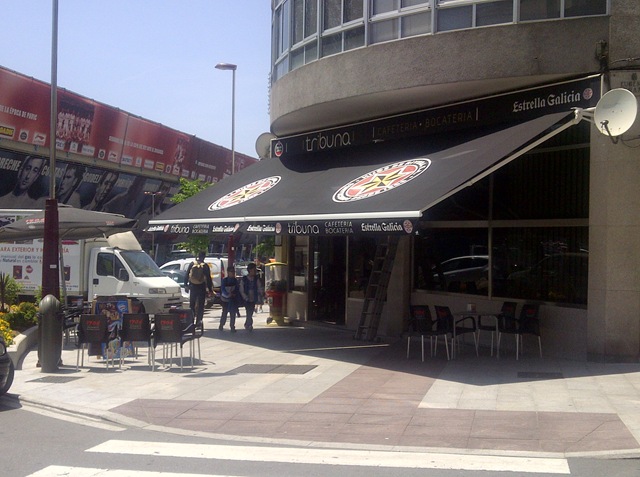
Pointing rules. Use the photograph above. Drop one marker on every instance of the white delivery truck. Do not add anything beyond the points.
(114, 266)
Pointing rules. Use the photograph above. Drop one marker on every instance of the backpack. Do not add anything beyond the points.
(196, 275)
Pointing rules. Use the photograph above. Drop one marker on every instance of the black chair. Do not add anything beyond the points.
(169, 330)
(93, 330)
(490, 322)
(526, 324)
(190, 325)
(460, 326)
(136, 328)
(422, 324)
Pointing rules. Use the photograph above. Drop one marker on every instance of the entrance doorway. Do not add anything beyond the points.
(328, 293)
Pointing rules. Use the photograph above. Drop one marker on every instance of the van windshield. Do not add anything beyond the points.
(141, 264)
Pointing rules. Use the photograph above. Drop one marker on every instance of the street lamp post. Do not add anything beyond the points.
(228, 66)
(233, 68)
(153, 216)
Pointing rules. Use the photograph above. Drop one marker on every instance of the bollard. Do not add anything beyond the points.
(50, 339)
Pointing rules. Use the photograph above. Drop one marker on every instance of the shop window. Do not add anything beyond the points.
(298, 268)
(362, 251)
(548, 183)
(531, 263)
(452, 260)
(545, 263)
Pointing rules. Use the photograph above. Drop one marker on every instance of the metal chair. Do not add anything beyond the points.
(508, 309)
(460, 326)
(136, 327)
(424, 325)
(526, 324)
(93, 329)
(168, 330)
(189, 326)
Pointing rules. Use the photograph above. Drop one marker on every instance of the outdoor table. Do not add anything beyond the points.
(476, 315)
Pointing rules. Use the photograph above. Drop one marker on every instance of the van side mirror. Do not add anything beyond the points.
(123, 275)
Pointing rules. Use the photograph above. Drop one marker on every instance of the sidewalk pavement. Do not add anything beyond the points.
(313, 384)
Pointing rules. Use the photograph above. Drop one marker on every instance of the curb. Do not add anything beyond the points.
(21, 345)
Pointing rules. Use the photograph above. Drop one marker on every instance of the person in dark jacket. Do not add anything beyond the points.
(252, 292)
(198, 281)
(229, 294)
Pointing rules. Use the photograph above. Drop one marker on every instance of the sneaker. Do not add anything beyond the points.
(221, 327)
(233, 330)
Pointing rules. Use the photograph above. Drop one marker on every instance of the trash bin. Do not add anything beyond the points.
(276, 291)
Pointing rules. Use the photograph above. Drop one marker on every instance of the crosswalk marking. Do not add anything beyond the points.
(61, 471)
(306, 455)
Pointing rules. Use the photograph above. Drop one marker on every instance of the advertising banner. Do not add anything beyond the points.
(24, 184)
(95, 130)
(23, 262)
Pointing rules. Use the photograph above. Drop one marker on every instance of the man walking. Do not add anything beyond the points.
(198, 281)
(252, 292)
(229, 294)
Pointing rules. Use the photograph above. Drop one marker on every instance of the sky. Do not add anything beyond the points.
(154, 58)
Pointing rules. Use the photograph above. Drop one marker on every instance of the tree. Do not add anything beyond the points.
(9, 290)
(266, 248)
(194, 243)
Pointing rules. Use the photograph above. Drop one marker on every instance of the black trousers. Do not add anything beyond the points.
(197, 295)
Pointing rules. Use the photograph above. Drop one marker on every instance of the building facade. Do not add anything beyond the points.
(555, 224)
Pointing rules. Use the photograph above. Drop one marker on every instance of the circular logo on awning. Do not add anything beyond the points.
(245, 193)
(381, 180)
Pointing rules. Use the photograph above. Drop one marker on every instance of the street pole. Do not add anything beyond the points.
(50, 275)
(153, 216)
(231, 67)
(49, 326)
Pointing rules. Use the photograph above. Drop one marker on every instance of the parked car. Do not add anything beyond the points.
(177, 270)
(216, 265)
(468, 273)
(178, 276)
(6, 368)
(241, 269)
(559, 277)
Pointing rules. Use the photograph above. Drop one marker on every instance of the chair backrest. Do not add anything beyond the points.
(136, 327)
(421, 318)
(509, 308)
(93, 329)
(168, 328)
(444, 318)
(529, 312)
(185, 314)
